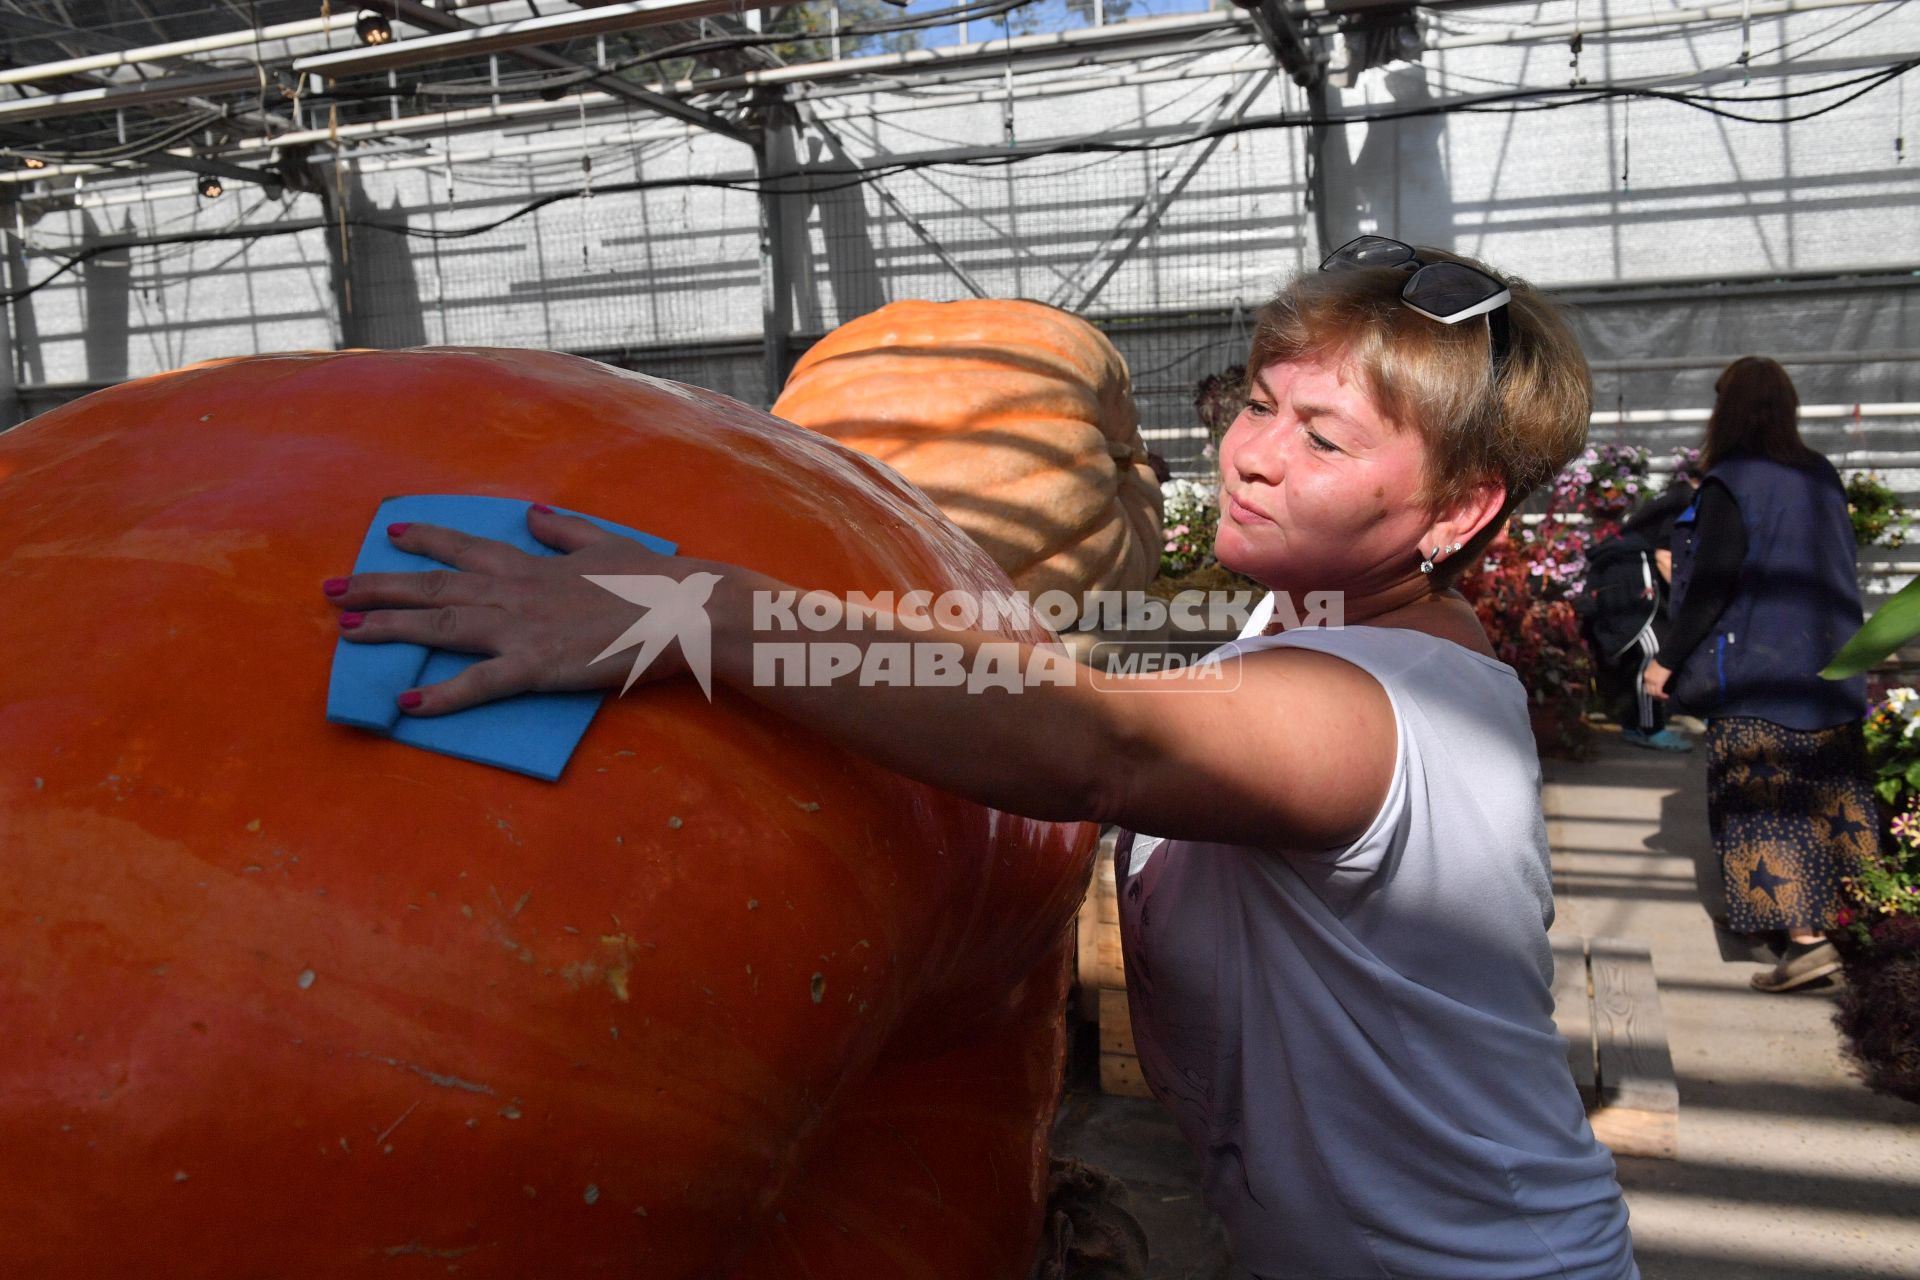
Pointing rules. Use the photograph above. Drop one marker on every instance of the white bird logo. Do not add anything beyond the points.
(676, 610)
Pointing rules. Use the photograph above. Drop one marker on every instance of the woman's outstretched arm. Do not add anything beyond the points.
(1283, 749)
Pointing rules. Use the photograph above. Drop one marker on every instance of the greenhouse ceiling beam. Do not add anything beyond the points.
(1120, 38)
(439, 123)
(1029, 92)
(944, 155)
(1793, 67)
(1050, 51)
(434, 19)
(626, 134)
(142, 94)
(1255, 59)
(176, 49)
(1603, 26)
(472, 41)
(95, 91)
(477, 119)
(503, 37)
(490, 117)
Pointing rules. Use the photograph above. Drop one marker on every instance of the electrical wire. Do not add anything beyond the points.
(128, 151)
(544, 85)
(824, 180)
(892, 125)
(1864, 21)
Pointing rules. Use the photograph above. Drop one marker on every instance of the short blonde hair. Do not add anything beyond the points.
(1434, 378)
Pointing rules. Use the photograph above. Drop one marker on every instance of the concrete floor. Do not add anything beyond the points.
(1789, 1169)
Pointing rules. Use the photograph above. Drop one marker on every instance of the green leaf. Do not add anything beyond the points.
(1892, 625)
(1913, 775)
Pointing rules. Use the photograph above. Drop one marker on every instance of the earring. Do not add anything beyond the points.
(1426, 566)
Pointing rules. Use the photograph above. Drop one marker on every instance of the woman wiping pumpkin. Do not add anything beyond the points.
(1335, 931)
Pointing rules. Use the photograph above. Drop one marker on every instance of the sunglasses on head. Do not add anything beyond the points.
(1445, 291)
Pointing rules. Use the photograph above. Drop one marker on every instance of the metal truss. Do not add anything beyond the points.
(447, 23)
(1290, 30)
(1147, 212)
(257, 108)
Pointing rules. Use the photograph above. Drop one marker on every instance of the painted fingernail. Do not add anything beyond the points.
(398, 527)
(334, 586)
(543, 508)
(348, 621)
(410, 699)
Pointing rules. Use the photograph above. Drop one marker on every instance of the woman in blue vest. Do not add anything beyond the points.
(1764, 594)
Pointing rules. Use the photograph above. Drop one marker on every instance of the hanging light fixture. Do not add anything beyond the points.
(373, 28)
(33, 162)
(210, 187)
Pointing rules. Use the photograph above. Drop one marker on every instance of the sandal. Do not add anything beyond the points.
(1803, 962)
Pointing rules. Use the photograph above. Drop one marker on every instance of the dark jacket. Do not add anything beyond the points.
(1625, 597)
(1797, 601)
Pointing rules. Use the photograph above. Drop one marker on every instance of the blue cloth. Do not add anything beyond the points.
(1796, 604)
(530, 733)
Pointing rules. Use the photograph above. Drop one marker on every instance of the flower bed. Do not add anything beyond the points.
(1190, 516)
(1879, 929)
(1605, 483)
(1879, 1013)
(1520, 592)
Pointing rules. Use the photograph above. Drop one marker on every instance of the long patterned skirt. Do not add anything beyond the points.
(1791, 813)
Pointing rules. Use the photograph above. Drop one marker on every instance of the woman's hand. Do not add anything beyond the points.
(1060, 742)
(1655, 680)
(544, 621)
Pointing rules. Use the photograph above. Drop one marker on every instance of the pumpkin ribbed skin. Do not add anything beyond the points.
(283, 998)
(1016, 419)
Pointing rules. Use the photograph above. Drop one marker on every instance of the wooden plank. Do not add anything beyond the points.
(1099, 905)
(1116, 1023)
(1639, 1100)
(1106, 897)
(1109, 968)
(1120, 1073)
(1626, 1131)
(1086, 934)
(1573, 1012)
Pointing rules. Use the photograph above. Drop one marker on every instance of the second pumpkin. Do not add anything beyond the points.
(1016, 418)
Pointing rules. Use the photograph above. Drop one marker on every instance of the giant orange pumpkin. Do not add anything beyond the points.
(280, 998)
(1015, 417)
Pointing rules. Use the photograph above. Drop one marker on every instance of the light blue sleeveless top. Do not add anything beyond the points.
(1359, 1043)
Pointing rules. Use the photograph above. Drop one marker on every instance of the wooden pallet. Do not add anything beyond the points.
(1607, 1005)
(1103, 975)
